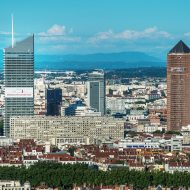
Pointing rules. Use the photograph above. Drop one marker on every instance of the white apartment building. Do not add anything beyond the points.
(116, 104)
(135, 115)
(84, 111)
(14, 185)
(4, 141)
(118, 89)
(177, 167)
(135, 103)
(150, 128)
(39, 94)
(57, 129)
(74, 89)
(129, 143)
(81, 110)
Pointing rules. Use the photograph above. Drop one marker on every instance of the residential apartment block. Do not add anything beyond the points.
(86, 130)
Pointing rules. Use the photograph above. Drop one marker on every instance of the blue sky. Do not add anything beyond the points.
(89, 26)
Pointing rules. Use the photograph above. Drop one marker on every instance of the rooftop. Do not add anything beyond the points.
(180, 47)
(26, 45)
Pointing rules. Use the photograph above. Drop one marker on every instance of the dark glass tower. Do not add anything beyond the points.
(53, 101)
(19, 80)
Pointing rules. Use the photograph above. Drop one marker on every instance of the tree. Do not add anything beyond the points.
(173, 132)
(71, 151)
(158, 132)
(59, 175)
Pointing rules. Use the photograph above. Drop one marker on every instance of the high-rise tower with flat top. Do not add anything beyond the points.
(96, 91)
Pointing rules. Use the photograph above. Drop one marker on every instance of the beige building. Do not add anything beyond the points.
(39, 94)
(14, 185)
(60, 129)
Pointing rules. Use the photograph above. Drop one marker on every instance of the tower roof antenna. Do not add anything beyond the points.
(12, 18)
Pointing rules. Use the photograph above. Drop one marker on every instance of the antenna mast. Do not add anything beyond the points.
(12, 30)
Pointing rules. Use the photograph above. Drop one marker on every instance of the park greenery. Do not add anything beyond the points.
(60, 175)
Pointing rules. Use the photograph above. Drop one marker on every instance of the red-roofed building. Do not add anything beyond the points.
(171, 167)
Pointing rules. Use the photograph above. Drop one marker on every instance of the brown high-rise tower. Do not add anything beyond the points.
(178, 87)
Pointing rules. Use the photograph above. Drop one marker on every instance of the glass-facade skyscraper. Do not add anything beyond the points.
(53, 101)
(19, 80)
(96, 91)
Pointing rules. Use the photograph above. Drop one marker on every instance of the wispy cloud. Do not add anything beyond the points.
(55, 30)
(59, 38)
(5, 33)
(187, 34)
(148, 33)
(58, 33)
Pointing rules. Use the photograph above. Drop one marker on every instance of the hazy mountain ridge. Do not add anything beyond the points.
(100, 57)
(120, 60)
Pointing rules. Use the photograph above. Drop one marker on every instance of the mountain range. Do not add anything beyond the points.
(106, 61)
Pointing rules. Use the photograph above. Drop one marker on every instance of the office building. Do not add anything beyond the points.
(40, 96)
(79, 109)
(116, 105)
(53, 101)
(178, 87)
(14, 185)
(96, 91)
(89, 130)
(19, 80)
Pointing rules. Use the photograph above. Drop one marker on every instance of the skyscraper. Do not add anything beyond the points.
(96, 91)
(19, 80)
(53, 101)
(178, 87)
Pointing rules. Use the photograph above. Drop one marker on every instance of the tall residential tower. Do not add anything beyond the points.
(96, 91)
(18, 80)
(178, 87)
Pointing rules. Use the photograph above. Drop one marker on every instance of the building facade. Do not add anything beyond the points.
(14, 185)
(53, 101)
(48, 128)
(80, 109)
(115, 105)
(178, 87)
(19, 80)
(96, 91)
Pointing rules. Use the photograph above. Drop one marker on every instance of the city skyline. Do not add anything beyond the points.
(87, 101)
(85, 27)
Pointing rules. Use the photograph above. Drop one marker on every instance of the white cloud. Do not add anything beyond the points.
(187, 34)
(101, 36)
(58, 33)
(5, 33)
(105, 35)
(59, 38)
(149, 33)
(55, 30)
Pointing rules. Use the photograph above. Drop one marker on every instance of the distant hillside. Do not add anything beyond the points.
(101, 57)
(106, 61)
